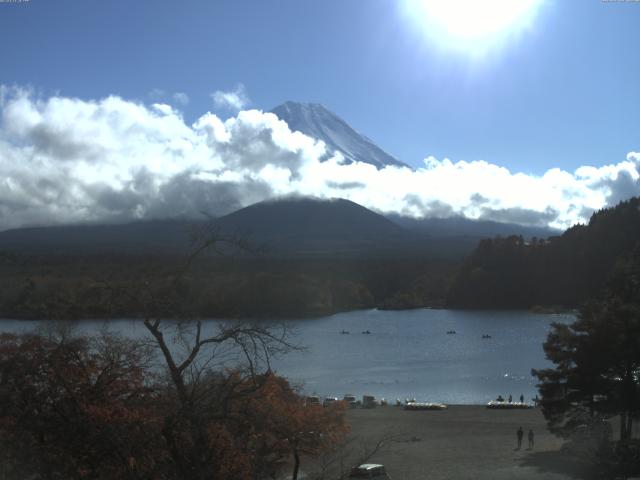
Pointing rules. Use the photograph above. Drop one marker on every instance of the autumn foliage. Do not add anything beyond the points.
(79, 408)
(283, 425)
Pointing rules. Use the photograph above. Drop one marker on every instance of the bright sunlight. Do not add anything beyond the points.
(472, 25)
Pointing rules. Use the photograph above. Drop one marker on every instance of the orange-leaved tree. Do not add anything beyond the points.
(73, 407)
(77, 408)
(278, 424)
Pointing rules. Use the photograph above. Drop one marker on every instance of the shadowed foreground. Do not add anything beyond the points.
(463, 442)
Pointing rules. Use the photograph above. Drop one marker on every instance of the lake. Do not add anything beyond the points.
(408, 353)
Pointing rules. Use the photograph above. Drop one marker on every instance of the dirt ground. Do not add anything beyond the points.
(462, 442)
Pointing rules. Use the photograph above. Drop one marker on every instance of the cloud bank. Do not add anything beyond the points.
(66, 160)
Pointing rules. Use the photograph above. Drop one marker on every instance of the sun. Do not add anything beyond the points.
(473, 25)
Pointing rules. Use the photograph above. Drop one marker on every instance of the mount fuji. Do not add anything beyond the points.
(316, 121)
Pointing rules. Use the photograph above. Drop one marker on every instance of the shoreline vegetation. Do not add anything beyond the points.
(535, 310)
(553, 310)
(72, 287)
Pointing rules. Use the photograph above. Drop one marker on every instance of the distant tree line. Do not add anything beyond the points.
(564, 271)
(73, 287)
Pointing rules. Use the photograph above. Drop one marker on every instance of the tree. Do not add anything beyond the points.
(72, 407)
(198, 401)
(566, 270)
(597, 358)
(199, 420)
(284, 424)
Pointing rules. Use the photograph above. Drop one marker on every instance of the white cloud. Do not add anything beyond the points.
(234, 100)
(69, 160)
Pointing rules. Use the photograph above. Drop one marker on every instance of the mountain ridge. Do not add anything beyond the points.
(290, 225)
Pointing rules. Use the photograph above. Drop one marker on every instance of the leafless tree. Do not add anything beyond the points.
(209, 364)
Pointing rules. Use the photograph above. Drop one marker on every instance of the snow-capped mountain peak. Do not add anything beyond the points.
(316, 121)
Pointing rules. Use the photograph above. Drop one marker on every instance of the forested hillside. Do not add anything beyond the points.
(561, 271)
(503, 272)
(92, 286)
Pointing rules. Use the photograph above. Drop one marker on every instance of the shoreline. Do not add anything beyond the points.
(288, 318)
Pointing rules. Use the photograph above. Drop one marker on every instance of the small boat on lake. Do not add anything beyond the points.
(345, 332)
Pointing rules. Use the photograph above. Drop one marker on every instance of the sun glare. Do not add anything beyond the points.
(473, 25)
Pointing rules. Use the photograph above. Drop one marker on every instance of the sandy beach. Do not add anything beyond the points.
(462, 442)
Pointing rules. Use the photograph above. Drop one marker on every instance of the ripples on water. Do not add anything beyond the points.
(410, 354)
(407, 354)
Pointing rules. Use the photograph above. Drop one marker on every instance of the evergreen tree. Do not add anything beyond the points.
(597, 358)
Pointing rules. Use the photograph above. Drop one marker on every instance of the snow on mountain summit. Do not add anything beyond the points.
(316, 121)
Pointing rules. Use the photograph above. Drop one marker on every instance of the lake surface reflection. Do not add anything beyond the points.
(407, 354)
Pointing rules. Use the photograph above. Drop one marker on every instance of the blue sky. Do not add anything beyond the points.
(565, 93)
(539, 126)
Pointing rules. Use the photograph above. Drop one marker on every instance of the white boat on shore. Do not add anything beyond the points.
(425, 406)
(495, 404)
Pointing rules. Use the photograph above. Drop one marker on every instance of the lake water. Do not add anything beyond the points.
(408, 354)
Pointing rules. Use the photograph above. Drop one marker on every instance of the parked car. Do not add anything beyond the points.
(350, 400)
(313, 400)
(371, 471)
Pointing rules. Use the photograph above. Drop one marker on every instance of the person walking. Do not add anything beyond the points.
(530, 436)
(510, 398)
(521, 398)
(519, 434)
